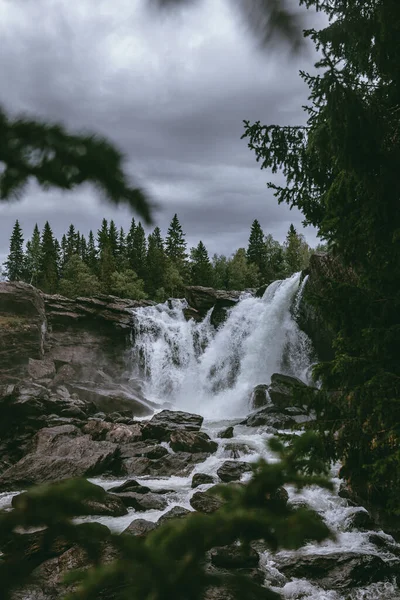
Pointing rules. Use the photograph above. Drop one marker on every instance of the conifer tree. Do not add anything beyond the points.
(103, 236)
(275, 264)
(293, 251)
(33, 257)
(201, 269)
(113, 239)
(122, 259)
(92, 254)
(220, 272)
(15, 263)
(156, 261)
(48, 279)
(242, 274)
(83, 248)
(256, 247)
(139, 252)
(78, 280)
(129, 242)
(63, 252)
(72, 243)
(107, 266)
(175, 245)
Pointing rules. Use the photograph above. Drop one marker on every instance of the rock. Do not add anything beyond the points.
(22, 329)
(259, 396)
(163, 423)
(226, 434)
(112, 397)
(270, 417)
(278, 500)
(41, 369)
(203, 298)
(284, 390)
(130, 486)
(201, 478)
(177, 512)
(113, 432)
(234, 557)
(205, 502)
(140, 527)
(59, 453)
(142, 502)
(336, 571)
(65, 374)
(232, 470)
(147, 449)
(180, 463)
(359, 519)
(192, 313)
(191, 441)
(109, 506)
(235, 450)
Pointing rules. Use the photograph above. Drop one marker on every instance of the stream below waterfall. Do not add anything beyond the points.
(211, 373)
(194, 368)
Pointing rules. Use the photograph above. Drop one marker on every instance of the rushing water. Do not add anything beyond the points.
(214, 373)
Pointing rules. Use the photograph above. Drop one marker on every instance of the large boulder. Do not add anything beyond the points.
(192, 441)
(140, 527)
(234, 557)
(205, 502)
(111, 397)
(203, 298)
(232, 470)
(259, 396)
(285, 391)
(176, 512)
(180, 463)
(142, 502)
(60, 453)
(201, 478)
(336, 571)
(163, 423)
(22, 329)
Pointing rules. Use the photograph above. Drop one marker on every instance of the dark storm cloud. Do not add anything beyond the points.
(172, 92)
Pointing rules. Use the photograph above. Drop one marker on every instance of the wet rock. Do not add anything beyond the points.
(201, 478)
(59, 453)
(146, 449)
(235, 450)
(112, 397)
(142, 502)
(65, 374)
(226, 434)
(259, 396)
(277, 500)
(336, 571)
(234, 557)
(177, 512)
(203, 298)
(270, 417)
(359, 519)
(180, 463)
(41, 369)
(285, 390)
(113, 432)
(192, 313)
(190, 441)
(232, 470)
(130, 486)
(140, 527)
(205, 503)
(163, 423)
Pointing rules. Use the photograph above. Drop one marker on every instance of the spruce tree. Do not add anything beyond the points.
(103, 236)
(129, 242)
(107, 266)
(92, 254)
(139, 252)
(15, 263)
(63, 252)
(256, 247)
(122, 260)
(293, 251)
(72, 243)
(113, 239)
(48, 278)
(78, 280)
(156, 261)
(33, 257)
(83, 248)
(175, 246)
(201, 269)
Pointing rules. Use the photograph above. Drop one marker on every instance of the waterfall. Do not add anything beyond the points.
(213, 372)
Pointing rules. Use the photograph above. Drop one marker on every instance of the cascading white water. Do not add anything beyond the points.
(213, 373)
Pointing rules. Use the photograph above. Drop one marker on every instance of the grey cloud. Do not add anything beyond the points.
(171, 92)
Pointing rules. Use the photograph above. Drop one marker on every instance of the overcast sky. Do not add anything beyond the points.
(172, 92)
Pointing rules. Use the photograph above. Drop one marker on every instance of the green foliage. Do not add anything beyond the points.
(48, 278)
(138, 255)
(256, 248)
(126, 284)
(33, 258)
(242, 274)
(175, 245)
(58, 159)
(201, 269)
(175, 551)
(155, 261)
(15, 263)
(341, 171)
(78, 280)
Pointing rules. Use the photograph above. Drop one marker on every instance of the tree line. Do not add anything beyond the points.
(133, 265)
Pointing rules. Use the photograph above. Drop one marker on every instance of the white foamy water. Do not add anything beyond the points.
(213, 373)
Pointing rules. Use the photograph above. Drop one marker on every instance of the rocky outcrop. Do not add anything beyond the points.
(22, 329)
(203, 298)
(163, 423)
(232, 470)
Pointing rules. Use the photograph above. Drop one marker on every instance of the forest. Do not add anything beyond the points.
(131, 265)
